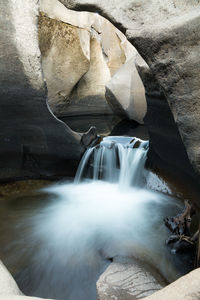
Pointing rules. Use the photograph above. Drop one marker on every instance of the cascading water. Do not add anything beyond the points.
(63, 240)
(118, 159)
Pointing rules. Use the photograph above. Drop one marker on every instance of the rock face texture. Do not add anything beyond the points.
(126, 89)
(165, 140)
(8, 287)
(126, 280)
(34, 142)
(187, 288)
(166, 34)
(62, 69)
(83, 55)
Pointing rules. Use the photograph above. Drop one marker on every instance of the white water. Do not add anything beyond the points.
(117, 159)
(105, 213)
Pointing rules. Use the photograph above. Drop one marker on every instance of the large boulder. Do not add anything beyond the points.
(126, 279)
(34, 142)
(83, 54)
(166, 34)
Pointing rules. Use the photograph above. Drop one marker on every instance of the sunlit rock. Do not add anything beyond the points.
(105, 53)
(125, 92)
(63, 59)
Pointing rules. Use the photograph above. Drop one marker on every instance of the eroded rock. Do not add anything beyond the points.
(187, 288)
(8, 287)
(166, 34)
(62, 69)
(93, 42)
(125, 279)
(125, 92)
(166, 146)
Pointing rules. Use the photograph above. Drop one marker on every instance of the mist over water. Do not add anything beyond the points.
(65, 243)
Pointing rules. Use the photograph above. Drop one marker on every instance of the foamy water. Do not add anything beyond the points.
(65, 242)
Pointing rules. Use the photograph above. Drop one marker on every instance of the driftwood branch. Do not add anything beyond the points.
(180, 225)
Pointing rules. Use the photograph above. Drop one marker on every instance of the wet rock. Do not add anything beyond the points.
(126, 279)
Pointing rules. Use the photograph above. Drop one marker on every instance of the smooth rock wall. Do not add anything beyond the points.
(8, 287)
(165, 140)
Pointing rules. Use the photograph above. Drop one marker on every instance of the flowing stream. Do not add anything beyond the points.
(59, 240)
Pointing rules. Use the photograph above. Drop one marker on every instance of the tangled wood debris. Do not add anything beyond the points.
(180, 226)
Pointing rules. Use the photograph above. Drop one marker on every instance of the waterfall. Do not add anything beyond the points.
(116, 160)
(63, 239)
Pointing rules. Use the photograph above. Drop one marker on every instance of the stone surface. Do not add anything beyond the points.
(127, 90)
(8, 287)
(62, 70)
(187, 288)
(82, 54)
(126, 279)
(34, 143)
(163, 131)
(89, 96)
(166, 34)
